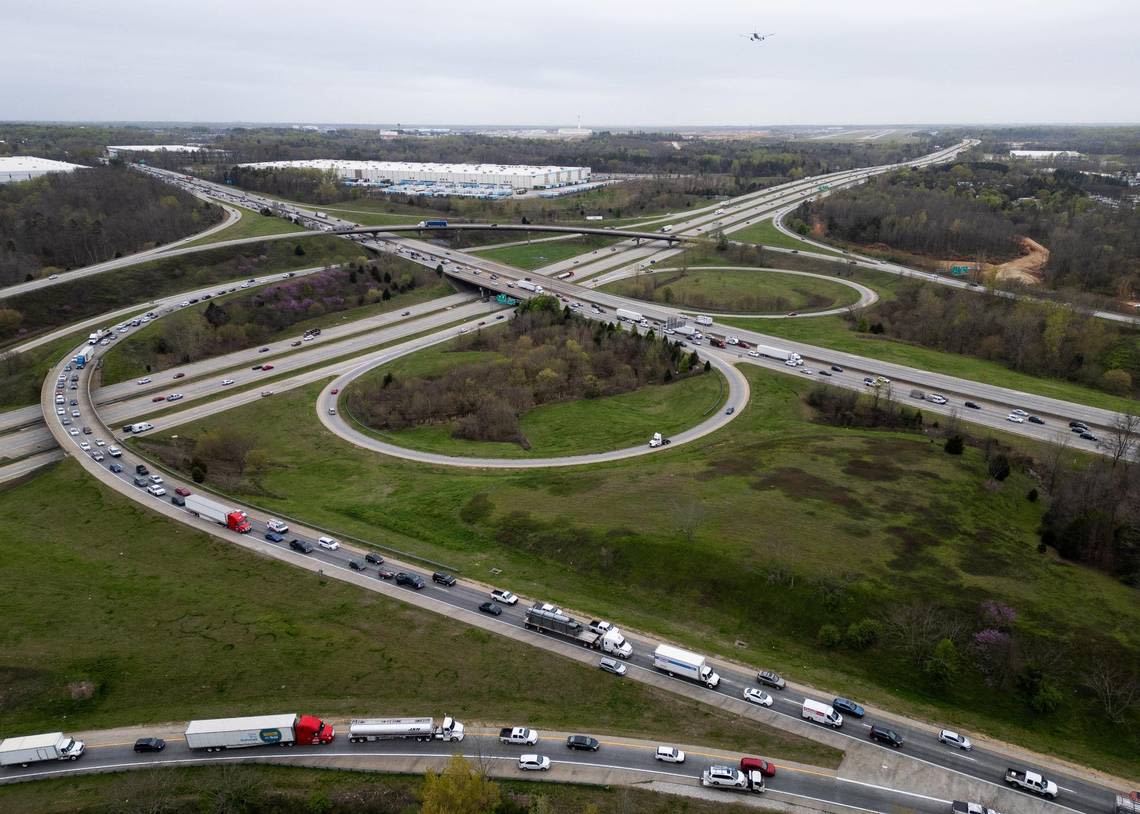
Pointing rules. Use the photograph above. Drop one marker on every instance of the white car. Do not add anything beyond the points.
(755, 354)
(144, 381)
(328, 543)
(807, 371)
(937, 398)
(273, 524)
(955, 739)
(156, 490)
(155, 479)
(733, 340)
(534, 763)
(1015, 418)
(504, 597)
(790, 362)
(60, 411)
(114, 452)
(670, 754)
(1019, 411)
(83, 445)
(755, 696)
(612, 666)
(73, 431)
(227, 382)
(99, 442)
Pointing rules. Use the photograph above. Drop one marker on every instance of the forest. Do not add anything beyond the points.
(64, 220)
(545, 354)
(978, 210)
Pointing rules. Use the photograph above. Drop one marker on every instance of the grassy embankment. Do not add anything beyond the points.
(728, 291)
(530, 256)
(176, 624)
(759, 533)
(251, 224)
(767, 234)
(564, 428)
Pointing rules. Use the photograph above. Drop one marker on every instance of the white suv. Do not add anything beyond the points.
(276, 525)
(156, 490)
(328, 542)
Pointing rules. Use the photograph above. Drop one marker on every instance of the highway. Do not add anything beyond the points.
(922, 749)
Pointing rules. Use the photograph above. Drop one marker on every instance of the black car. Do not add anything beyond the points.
(141, 470)
(1075, 424)
(824, 373)
(492, 608)
(302, 546)
(584, 742)
(356, 565)
(1080, 429)
(1088, 436)
(150, 745)
(887, 736)
(972, 406)
(411, 580)
(1034, 420)
(375, 559)
(116, 468)
(837, 368)
(443, 579)
(178, 500)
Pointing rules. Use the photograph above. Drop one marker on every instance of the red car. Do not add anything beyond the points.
(267, 367)
(182, 490)
(335, 390)
(159, 398)
(755, 764)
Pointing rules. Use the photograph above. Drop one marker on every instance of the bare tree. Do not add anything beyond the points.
(1122, 437)
(690, 514)
(1055, 458)
(1117, 691)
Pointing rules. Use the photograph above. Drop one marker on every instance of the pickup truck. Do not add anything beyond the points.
(1031, 781)
(518, 734)
(961, 807)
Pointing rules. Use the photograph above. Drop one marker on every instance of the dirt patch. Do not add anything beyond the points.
(1028, 267)
(878, 470)
(911, 552)
(798, 484)
(80, 690)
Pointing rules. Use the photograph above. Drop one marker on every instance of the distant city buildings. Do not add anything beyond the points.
(25, 167)
(1044, 155)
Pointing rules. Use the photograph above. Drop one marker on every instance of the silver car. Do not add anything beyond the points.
(612, 666)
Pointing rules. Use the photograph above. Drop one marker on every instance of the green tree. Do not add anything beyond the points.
(458, 789)
(954, 445)
(999, 467)
(944, 662)
(829, 636)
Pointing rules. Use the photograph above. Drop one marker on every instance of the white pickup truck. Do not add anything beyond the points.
(518, 734)
(1031, 781)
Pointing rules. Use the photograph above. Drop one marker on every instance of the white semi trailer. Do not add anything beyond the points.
(420, 729)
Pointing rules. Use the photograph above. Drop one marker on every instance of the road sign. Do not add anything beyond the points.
(958, 271)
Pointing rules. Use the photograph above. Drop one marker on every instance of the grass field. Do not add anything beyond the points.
(766, 234)
(20, 382)
(272, 789)
(564, 428)
(251, 224)
(740, 291)
(176, 624)
(759, 533)
(833, 332)
(530, 256)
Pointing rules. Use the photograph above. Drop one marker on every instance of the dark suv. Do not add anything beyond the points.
(375, 559)
(887, 736)
(443, 579)
(302, 546)
(411, 580)
(584, 742)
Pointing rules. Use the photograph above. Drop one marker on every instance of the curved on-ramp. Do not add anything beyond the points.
(738, 394)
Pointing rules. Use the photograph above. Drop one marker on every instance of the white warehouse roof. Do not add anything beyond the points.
(25, 167)
(519, 176)
(154, 148)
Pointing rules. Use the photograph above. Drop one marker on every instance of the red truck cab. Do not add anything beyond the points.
(239, 522)
(311, 730)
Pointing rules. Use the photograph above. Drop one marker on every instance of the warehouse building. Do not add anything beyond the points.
(25, 167)
(384, 173)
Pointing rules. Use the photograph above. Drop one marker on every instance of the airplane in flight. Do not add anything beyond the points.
(755, 37)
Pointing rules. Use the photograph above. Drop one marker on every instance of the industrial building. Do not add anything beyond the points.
(385, 173)
(114, 150)
(25, 167)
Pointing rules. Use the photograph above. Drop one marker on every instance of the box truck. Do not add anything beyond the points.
(821, 713)
(361, 730)
(35, 748)
(527, 285)
(287, 729)
(555, 622)
(704, 319)
(779, 353)
(626, 314)
(678, 662)
(233, 519)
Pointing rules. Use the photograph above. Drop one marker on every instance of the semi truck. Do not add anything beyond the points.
(286, 729)
(629, 316)
(678, 662)
(361, 730)
(35, 748)
(687, 330)
(1031, 781)
(433, 224)
(780, 353)
(322, 215)
(527, 285)
(716, 341)
(233, 519)
(82, 358)
(704, 319)
(555, 622)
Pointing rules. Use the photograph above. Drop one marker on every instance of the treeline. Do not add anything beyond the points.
(294, 183)
(247, 320)
(1034, 338)
(977, 210)
(64, 220)
(544, 355)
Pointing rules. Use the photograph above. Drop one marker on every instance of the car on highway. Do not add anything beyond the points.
(807, 371)
(227, 382)
(583, 743)
(936, 398)
(1088, 436)
(302, 546)
(256, 367)
(836, 369)
(505, 597)
(332, 410)
(328, 543)
(116, 468)
(374, 558)
(1019, 411)
(357, 565)
(384, 573)
(156, 490)
(150, 745)
(972, 406)
(1033, 419)
(442, 578)
(178, 500)
(267, 367)
(410, 580)
(955, 739)
(180, 375)
(273, 524)
(72, 430)
(157, 399)
(612, 666)
(886, 736)
(492, 608)
(334, 391)
(296, 344)
(669, 754)
(771, 679)
(755, 696)
(868, 381)
(156, 479)
(274, 537)
(114, 452)
(99, 442)
(848, 707)
(1015, 418)
(534, 763)
(174, 397)
(730, 411)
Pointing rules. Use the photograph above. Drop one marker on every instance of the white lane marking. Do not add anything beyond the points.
(894, 791)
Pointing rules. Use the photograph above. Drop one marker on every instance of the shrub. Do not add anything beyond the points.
(1032, 496)
(829, 636)
(954, 445)
(999, 467)
(863, 634)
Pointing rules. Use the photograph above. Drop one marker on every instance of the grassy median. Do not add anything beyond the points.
(744, 291)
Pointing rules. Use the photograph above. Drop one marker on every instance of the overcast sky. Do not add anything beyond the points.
(614, 62)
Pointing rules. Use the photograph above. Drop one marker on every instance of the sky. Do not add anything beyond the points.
(613, 63)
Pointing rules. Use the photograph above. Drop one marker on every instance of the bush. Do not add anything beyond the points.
(829, 636)
(954, 445)
(1032, 496)
(863, 634)
(999, 467)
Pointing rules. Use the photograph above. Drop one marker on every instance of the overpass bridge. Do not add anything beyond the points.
(665, 237)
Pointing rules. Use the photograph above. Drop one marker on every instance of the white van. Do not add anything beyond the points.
(143, 427)
(821, 714)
